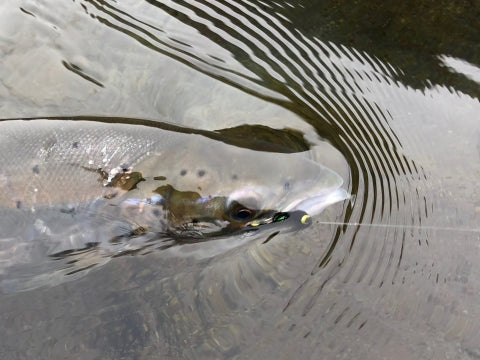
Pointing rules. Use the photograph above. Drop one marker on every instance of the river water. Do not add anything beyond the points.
(386, 95)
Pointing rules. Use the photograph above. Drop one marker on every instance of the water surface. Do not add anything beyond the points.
(387, 99)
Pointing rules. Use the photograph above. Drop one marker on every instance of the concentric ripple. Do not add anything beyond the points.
(251, 46)
(392, 271)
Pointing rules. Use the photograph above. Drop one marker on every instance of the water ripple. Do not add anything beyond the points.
(254, 48)
(385, 241)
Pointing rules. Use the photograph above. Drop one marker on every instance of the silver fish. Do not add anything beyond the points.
(67, 187)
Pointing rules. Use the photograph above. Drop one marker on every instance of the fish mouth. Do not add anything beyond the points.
(213, 217)
(207, 230)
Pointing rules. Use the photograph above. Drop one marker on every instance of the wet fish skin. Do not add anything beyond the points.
(48, 162)
(91, 191)
(64, 163)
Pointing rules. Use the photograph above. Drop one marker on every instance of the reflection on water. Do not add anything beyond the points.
(391, 275)
(398, 34)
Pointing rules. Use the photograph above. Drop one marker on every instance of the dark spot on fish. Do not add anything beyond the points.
(156, 212)
(19, 204)
(183, 172)
(287, 185)
(127, 181)
(234, 177)
(36, 169)
(176, 198)
(69, 210)
(139, 231)
(201, 173)
(75, 145)
(159, 178)
(110, 195)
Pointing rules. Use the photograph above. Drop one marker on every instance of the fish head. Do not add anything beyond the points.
(229, 189)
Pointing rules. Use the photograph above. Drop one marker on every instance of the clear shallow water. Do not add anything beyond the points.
(391, 275)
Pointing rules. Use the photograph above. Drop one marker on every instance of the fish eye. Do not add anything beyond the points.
(241, 213)
(244, 213)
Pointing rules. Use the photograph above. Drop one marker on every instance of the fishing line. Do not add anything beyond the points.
(409, 227)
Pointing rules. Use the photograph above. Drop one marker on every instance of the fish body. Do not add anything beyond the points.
(68, 186)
